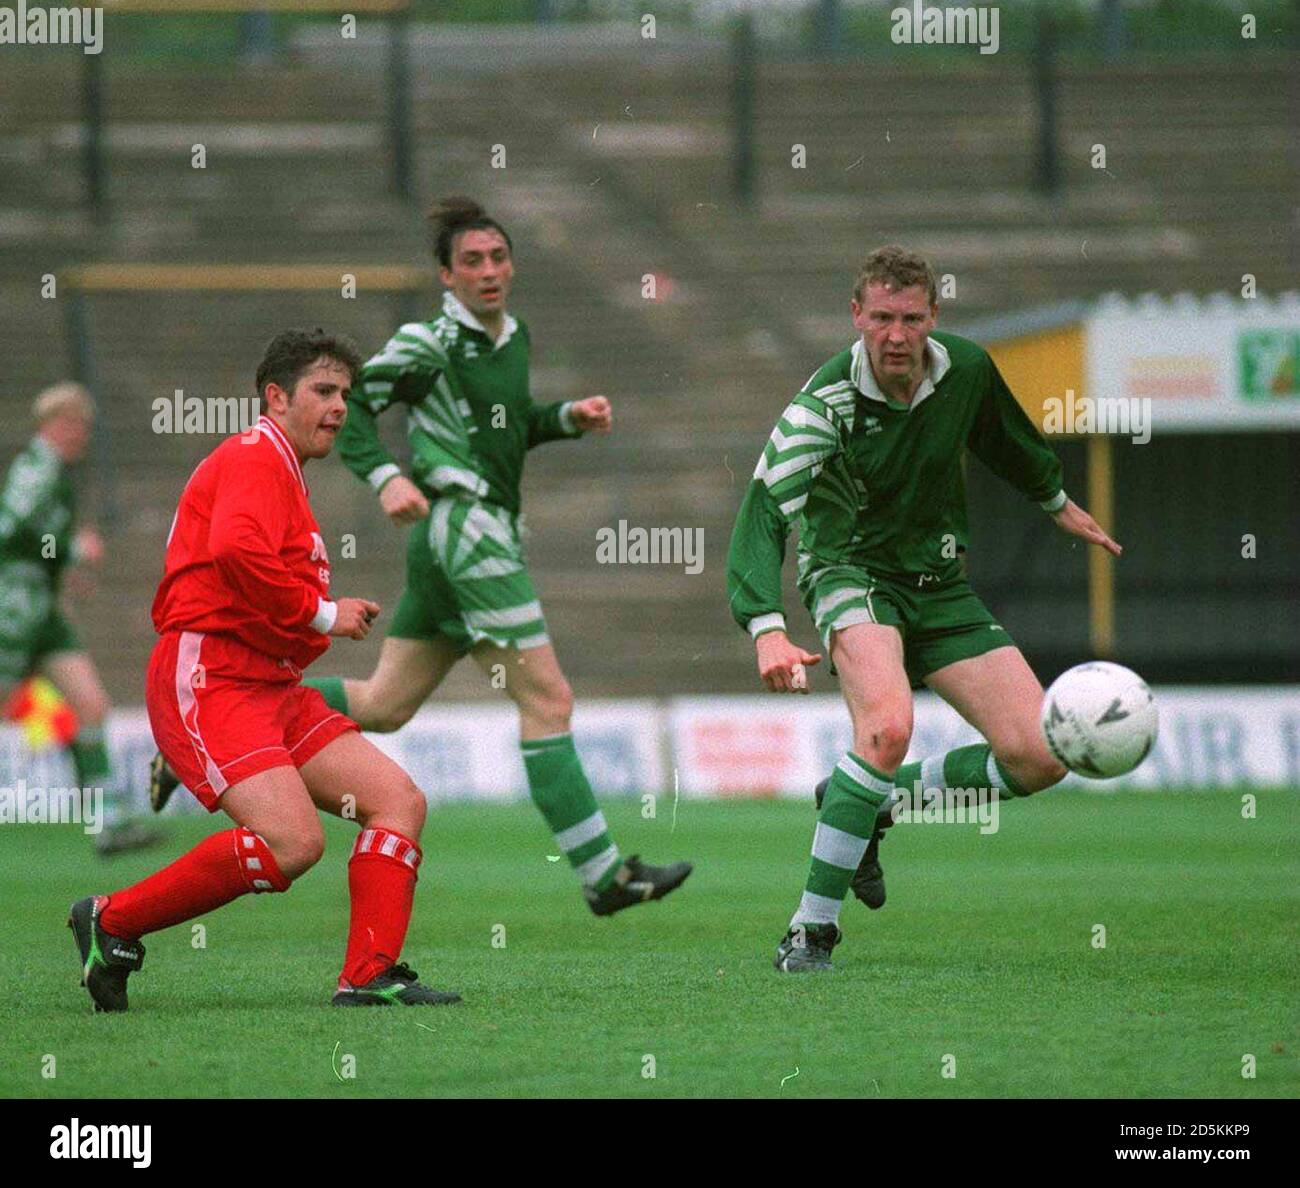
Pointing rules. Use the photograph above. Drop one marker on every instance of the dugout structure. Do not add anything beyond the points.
(395, 13)
(403, 286)
(1204, 505)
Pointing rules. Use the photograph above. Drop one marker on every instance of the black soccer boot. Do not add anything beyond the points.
(162, 783)
(106, 960)
(636, 882)
(397, 985)
(806, 948)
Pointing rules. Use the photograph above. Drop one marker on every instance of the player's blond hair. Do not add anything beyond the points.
(895, 268)
(63, 398)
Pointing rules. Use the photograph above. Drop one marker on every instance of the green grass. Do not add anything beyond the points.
(984, 951)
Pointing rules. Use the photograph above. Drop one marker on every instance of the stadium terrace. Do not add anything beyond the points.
(55, 26)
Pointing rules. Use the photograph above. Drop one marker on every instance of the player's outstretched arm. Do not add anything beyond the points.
(804, 438)
(567, 419)
(1073, 519)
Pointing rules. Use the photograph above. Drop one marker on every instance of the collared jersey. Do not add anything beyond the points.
(470, 418)
(37, 511)
(245, 557)
(873, 483)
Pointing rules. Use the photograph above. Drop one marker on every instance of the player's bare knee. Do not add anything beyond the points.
(295, 854)
(548, 709)
(409, 809)
(883, 741)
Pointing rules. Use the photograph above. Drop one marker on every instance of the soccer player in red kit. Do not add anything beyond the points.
(243, 608)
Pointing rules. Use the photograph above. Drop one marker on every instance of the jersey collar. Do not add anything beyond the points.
(276, 436)
(454, 308)
(937, 364)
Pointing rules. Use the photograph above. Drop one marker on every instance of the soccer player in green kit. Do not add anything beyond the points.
(867, 461)
(462, 380)
(38, 540)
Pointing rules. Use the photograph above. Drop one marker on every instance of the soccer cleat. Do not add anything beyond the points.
(868, 882)
(162, 782)
(129, 835)
(636, 882)
(806, 948)
(106, 961)
(397, 985)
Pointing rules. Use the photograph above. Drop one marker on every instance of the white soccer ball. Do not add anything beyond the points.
(1100, 719)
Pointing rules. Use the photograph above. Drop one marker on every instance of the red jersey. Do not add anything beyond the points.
(245, 556)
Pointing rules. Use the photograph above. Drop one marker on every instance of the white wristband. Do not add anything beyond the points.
(1056, 502)
(326, 613)
(566, 419)
(381, 474)
(761, 623)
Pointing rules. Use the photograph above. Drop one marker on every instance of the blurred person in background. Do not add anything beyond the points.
(39, 540)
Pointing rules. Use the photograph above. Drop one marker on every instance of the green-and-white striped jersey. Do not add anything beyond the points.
(878, 484)
(37, 510)
(470, 418)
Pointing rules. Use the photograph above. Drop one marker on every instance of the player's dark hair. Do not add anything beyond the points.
(895, 268)
(291, 352)
(449, 217)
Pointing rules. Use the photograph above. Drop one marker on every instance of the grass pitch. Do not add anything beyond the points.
(985, 952)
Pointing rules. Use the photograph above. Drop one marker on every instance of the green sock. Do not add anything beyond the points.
(330, 688)
(559, 788)
(967, 767)
(94, 769)
(847, 820)
(970, 767)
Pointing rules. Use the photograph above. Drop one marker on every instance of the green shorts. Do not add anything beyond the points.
(466, 579)
(31, 626)
(941, 623)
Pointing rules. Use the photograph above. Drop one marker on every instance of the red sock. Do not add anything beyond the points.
(381, 881)
(220, 868)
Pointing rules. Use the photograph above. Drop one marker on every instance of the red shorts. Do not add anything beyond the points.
(221, 712)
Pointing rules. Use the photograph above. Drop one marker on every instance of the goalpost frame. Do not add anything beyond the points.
(78, 283)
(396, 14)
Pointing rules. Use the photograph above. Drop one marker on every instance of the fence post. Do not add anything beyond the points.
(1045, 87)
(828, 26)
(92, 135)
(743, 88)
(83, 371)
(256, 41)
(1111, 21)
(399, 101)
